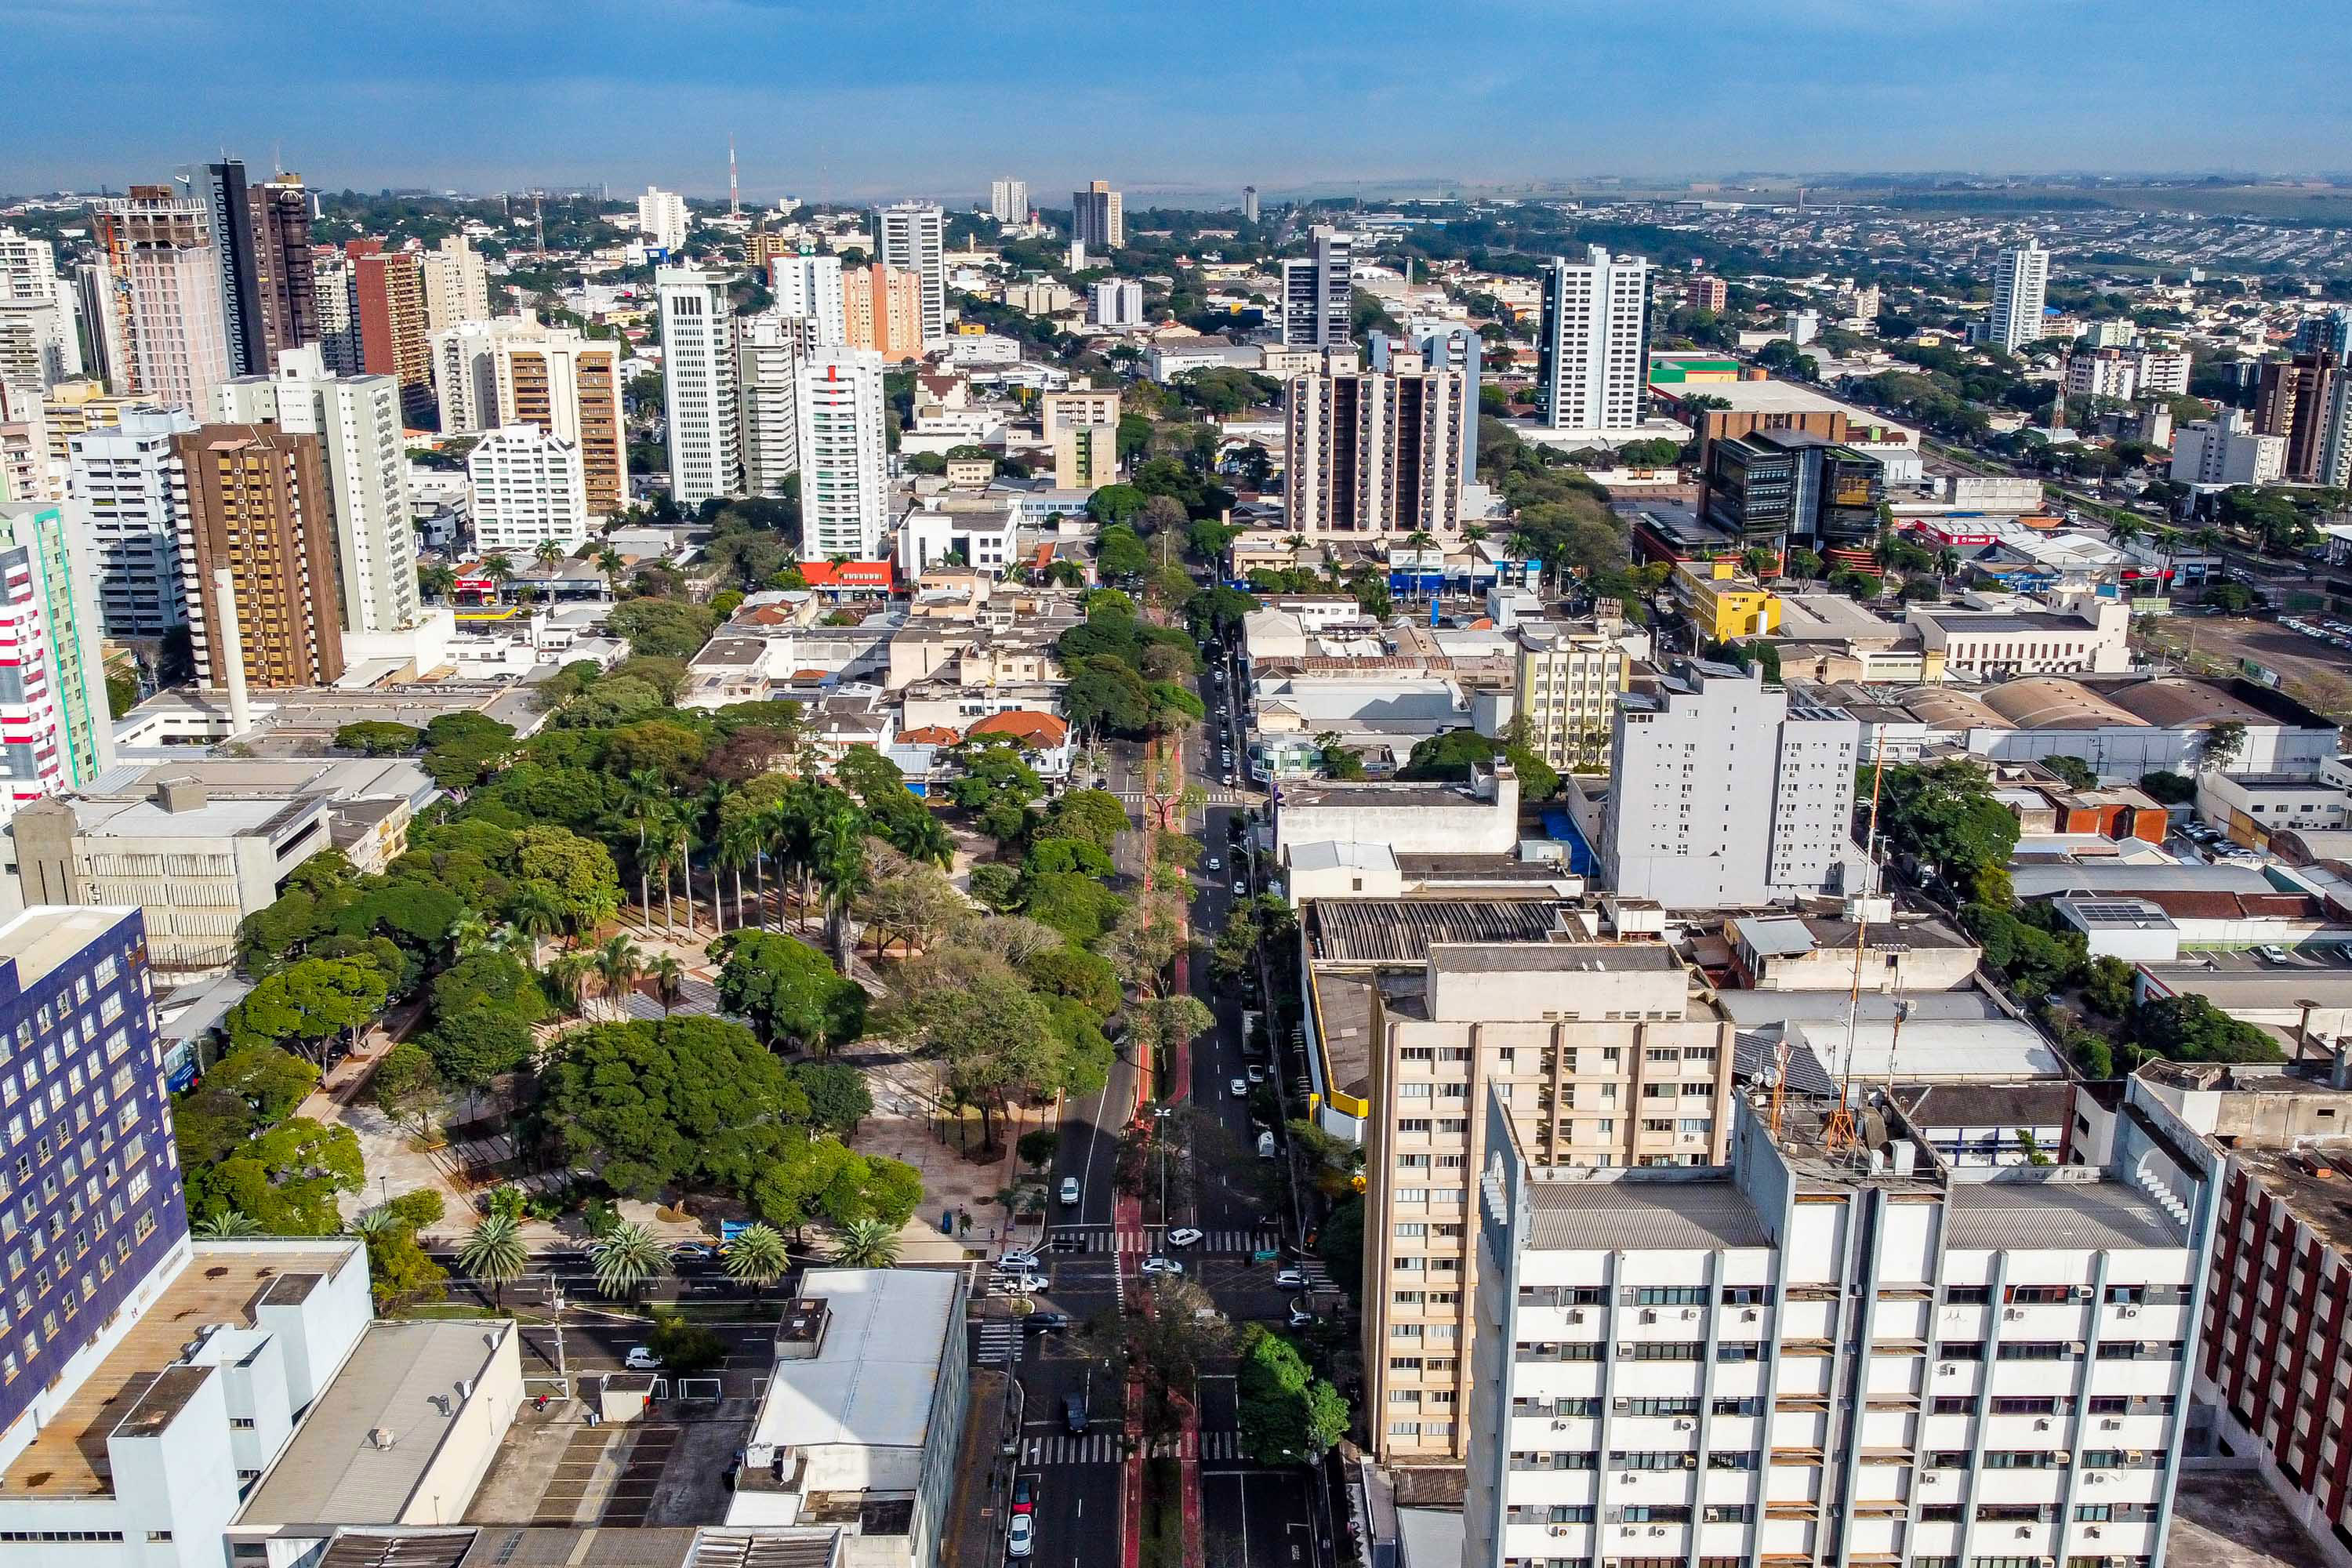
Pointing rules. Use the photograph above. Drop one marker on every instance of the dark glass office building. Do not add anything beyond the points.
(1773, 485)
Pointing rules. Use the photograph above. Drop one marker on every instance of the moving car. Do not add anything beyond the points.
(1074, 1414)
(692, 1252)
(1214, 864)
(1291, 1279)
(1070, 1190)
(1022, 1539)
(1183, 1236)
(1265, 1145)
(1301, 1314)
(1238, 1089)
(1155, 1264)
(1241, 889)
(1024, 1493)
(1046, 1322)
(1024, 1284)
(1024, 1258)
(641, 1358)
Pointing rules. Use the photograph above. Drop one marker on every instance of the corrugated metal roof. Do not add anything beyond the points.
(2055, 1217)
(1400, 930)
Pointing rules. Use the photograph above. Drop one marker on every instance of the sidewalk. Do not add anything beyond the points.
(913, 1121)
(975, 1527)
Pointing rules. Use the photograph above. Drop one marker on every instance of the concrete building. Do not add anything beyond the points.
(1565, 681)
(1592, 346)
(40, 344)
(123, 494)
(1096, 218)
(456, 285)
(2021, 285)
(912, 235)
(1008, 201)
(332, 278)
(569, 385)
(1725, 793)
(529, 489)
(2226, 450)
(2307, 400)
(388, 311)
(862, 1423)
(1481, 817)
(885, 312)
(252, 500)
(1319, 300)
(1781, 488)
(1842, 1347)
(464, 370)
(1249, 203)
(844, 473)
(356, 419)
(196, 865)
(1368, 454)
(809, 284)
(769, 349)
(1604, 1053)
(1115, 302)
(56, 730)
(1085, 455)
(1443, 345)
(699, 390)
(2086, 635)
(983, 542)
(661, 220)
(164, 270)
(2102, 373)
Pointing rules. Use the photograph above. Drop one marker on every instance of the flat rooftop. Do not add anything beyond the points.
(69, 1457)
(243, 816)
(1631, 1212)
(870, 1384)
(1401, 930)
(402, 1378)
(1342, 1001)
(2057, 1216)
(41, 938)
(1588, 957)
(2294, 1177)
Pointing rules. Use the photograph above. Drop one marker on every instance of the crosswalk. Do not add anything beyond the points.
(1107, 1238)
(1000, 1342)
(1213, 794)
(1108, 1447)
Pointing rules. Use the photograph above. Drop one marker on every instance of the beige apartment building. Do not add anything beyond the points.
(882, 309)
(1565, 683)
(569, 385)
(1607, 1054)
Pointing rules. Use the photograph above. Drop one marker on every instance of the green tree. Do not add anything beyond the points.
(2167, 788)
(2189, 1028)
(2109, 987)
(1037, 1147)
(2074, 771)
(307, 1002)
(1451, 756)
(838, 1099)
(286, 1177)
(376, 738)
(791, 993)
(866, 1244)
(408, 1088)
(685, 1348)
(493, 1253)
(1340, 1244)
(1287, 1415)
(756, 1257)
(2225, 745)
(1942, 814)
(626, 1258)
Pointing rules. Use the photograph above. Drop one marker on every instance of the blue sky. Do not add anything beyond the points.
(846, 101)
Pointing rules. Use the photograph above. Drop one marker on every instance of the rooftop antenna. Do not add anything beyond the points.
(734, 191)
(1842, 1133)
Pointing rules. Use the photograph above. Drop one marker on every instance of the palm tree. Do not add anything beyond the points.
(642, 792)
(757, 1254)
(470, 933)
(2124, 530)
(372, 1221)
(494, 1255)
(837, 860)
(229, 1225)
(1475, 534)
(736, 845)
(536, 910)
(866, 1244)
(661, 848)
(609, 562)
(670, 981)
(499, 567)
(566, 980)
(547, 553)
(626, 1258)
(1295, 544)
(617, 964)
(437, 582)
(685, 816)
(926, 841)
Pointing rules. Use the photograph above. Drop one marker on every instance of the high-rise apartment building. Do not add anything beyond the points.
(1605, 1053)
(809, 284)
(1115, 302)
(706, 447)
(89, 1182)
(41, 341)
(1097, 221)
(2021, 290)
(106, 353)
(1318, 299)
(261, 236)
(1592, 344)
(569, 385)
(2306, 400)
(28, 267)
(356, 420)
(121, 477)
(769, 350)
(661, 219)
(1565, 684)
(1704, 293)
(845, 482)
(1841, 1348)
(252, 500)
(1443, 345)
(335, 288)
(913, 235)
(2226, 450)
(71, 408)
(228, 216)
(164, 270)
(1249, 203)
(1084, 456)
(465, 372)
(56, 732)
(1008, 201)
(1727, 793)
(1373, 454)
(388, 298)
(457, 284)
(24, 447)
(529, 489)
(884, 308)
(2327, 333)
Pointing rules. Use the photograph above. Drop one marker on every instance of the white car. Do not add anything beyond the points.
(2271, 953)
(1024, 1284)
(1241, 889)
(1022, 1539)
(1018, 1260)
(1291, 1279)
(641, 1358)
(1183, 1236)
(1257, 1073)
(1301, 1314)
(1157, 1264)
(1214, 864)
(1238, 1089)
(693, 1252)
(1069, 1194)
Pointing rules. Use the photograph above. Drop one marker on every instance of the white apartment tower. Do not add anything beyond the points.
(121, 485)
(1008, 201)
(530, 489)
(1115, 302)
(808, 285)
(39, 343)
(1726, 793)
(1318, 299)
(2020, 287)
(661, 219)
(2226, 450)
(913, 234)
(456, 285)
(357, 421)
(1593, 347)
(769, 348)
(1837, 1349)
(569, 385)
(706, 447)
(465, 370)
(845, 484)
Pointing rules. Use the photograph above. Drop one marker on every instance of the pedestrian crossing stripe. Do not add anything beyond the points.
(1107, 1238)
(1063, 1448)
(999, 1342)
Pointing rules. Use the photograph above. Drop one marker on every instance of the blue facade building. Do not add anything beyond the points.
(89, 1183)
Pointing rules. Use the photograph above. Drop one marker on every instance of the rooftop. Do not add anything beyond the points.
(2003, 1216)
(412, 1380)
(1400, 930)
(1543, 957)
(2313, 1178)
(2038, 1103)
(69, 1457)
(870, 1384)
(1571, 1210)
(41, 938)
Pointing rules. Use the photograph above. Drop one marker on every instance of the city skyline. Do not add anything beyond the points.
(1391, 95)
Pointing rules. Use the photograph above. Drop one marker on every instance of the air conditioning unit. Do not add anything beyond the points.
(2134, 1455)
(1576, 1314)
(2076, 1347)
(1682, 1426)
(1657, 1530)
(1648, 1315)
(1559, 1425)
(1628, 1476)
(2024, 1530)
(1749, 1316)
(2092, 1533)
(1930, 1479)
(1559, 1529)
(2012, 1314)
(2111, 1425)
(2097, 1479)
(2128, 1312)
(2042, 1424)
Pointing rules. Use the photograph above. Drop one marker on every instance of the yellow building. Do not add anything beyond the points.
(1724, 604)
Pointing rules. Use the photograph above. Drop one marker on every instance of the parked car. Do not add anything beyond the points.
(1257, 1071)
(1024, 1258)
(2270, 952)
(1021, 1284)
(1074, 1414)
(1046, 1322)
(1022, 1539)
(1214, 864)
(1238, 1089)
(1069, 1194)
(693, 1252)
(641, 1358)
(1241, 889)
(1265, 1145)
(1024, 1494)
